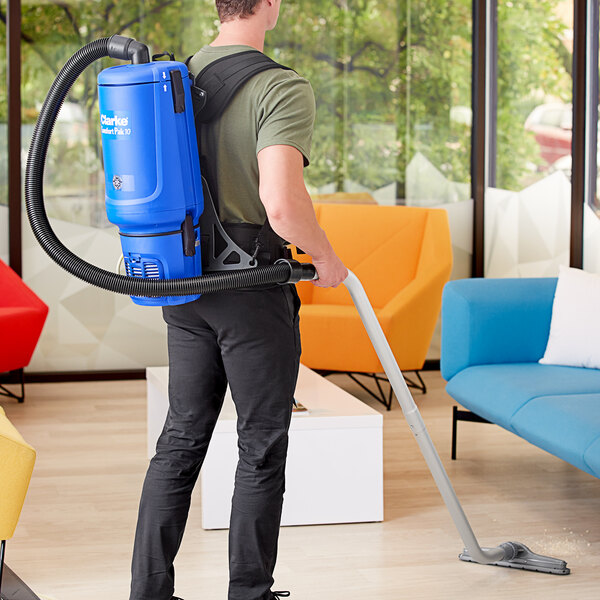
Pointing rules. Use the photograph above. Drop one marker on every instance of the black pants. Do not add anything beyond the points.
(251, 340)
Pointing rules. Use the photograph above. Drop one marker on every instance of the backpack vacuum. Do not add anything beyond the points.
(154, 194)
(154, 189)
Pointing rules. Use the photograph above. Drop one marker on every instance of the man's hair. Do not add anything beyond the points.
(230, 9)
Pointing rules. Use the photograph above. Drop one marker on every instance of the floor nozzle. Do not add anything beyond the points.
(519, 556)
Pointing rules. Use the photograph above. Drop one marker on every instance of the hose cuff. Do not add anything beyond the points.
(125, 48)
(298, 271)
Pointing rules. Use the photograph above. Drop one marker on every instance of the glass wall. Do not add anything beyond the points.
(89, 329)
(527, 211)
(434, 118)
(591, 211)
(392, 82)
(3, 143)
(392, 85)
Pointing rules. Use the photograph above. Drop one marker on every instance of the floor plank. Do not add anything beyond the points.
(75, 534)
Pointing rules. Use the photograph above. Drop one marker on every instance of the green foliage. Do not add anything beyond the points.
(407, 64)
(532, 66)
(53, 31)
(437, 77)
(349, 51)
(388, 75)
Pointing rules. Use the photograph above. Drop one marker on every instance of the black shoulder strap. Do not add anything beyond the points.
(212, 90)
(218, 82)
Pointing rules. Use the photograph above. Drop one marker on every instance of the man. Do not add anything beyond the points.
(247, 338)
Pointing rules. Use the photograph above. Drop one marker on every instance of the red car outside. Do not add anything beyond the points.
(552, 125)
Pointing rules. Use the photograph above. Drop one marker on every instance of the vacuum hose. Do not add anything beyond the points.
(125, 49)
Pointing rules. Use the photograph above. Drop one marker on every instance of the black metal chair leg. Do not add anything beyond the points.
(20, 397)
(385, 399)
(462, 415)
(420, 385)
(387, 402)
(381, 397)
(2, 550)
(423, 386)
(454, 428)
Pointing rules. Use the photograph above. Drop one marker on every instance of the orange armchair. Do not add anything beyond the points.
(403, 257)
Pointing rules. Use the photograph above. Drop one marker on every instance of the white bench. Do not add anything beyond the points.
(334, 470)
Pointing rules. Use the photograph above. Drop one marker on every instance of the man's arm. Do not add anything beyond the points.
(291, 213)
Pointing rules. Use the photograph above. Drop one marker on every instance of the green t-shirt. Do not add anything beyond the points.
(274, 107)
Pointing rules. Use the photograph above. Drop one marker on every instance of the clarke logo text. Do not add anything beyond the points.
(116, 126)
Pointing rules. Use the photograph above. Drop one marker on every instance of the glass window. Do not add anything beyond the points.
(89, 329)
(3, 145)
(591, 211)
(392, 82)
(527, 227)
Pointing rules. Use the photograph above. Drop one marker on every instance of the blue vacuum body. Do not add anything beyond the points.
(152, 171)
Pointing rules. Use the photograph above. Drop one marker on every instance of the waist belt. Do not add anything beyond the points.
(259, 241)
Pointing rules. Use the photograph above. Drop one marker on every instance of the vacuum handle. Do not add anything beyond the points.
(309, 272)
(299, 271)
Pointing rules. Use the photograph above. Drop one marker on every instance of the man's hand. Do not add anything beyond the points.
(331, 271)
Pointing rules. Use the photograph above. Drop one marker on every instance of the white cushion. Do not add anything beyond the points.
(574, 339)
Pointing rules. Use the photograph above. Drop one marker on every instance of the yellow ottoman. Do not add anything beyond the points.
(17, 458)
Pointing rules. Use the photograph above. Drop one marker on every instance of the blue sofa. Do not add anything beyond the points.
(493, 333)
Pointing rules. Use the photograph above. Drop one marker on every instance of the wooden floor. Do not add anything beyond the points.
(75, 535)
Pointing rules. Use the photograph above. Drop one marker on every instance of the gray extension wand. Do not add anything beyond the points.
(509, 554)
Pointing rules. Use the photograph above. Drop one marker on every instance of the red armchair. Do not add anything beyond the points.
(22, 317)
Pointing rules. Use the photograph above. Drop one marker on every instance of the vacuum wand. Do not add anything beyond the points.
(509, 554)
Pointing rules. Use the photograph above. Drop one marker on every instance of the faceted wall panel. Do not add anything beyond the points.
(591, 240)
(89, 328)
(527, 233)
